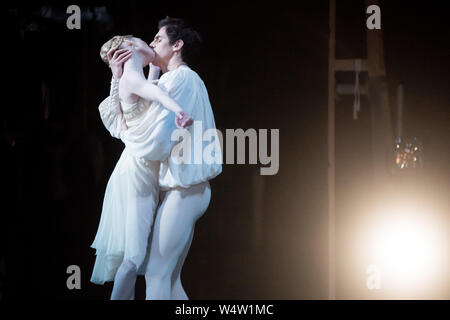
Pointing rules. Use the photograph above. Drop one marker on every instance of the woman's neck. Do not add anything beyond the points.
(134, 64)
(132, 72)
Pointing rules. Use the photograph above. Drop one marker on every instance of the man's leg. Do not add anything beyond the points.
(173, 231)
(178, 292)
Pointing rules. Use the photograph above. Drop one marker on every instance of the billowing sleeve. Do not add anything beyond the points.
(198, 156)
(111, 112)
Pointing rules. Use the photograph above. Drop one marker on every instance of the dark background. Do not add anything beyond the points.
(264, 67)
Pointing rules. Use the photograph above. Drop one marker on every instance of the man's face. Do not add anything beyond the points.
(163, 49)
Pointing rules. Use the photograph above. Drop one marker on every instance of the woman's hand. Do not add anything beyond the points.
(116, 60)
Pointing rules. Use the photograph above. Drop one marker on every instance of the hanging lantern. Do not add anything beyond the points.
(408, 154)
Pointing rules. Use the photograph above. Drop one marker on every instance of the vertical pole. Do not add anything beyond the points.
(382, 137)
(257, 208)
(399, 111)
(331, 156)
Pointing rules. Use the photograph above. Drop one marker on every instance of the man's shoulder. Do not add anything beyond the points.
(188, 73)
(193, 76)
(183, 78)
(178, 74)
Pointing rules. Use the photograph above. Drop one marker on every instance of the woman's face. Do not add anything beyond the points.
(142, 48)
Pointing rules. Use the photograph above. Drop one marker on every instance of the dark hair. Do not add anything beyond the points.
(178, 29)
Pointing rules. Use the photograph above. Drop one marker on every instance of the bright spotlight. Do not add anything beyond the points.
(408, 249)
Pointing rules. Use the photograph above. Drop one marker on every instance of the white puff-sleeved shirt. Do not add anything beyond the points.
(156, 135)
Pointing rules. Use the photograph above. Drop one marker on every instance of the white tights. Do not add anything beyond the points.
(124, 281)
(172, 236)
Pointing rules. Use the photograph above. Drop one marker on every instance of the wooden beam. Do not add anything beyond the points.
(348, 89)
(331, 157)
(349, 65)
(375, 50)
(382, 137)
(258, 209)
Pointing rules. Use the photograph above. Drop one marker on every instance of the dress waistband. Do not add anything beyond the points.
(130, 112)
(148, 163)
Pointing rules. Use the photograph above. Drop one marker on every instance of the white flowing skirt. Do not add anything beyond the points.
(129, 205)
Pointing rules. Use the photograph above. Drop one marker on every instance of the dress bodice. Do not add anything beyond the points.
(133, 112)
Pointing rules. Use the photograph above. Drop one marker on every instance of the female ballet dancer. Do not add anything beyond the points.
(131, 195)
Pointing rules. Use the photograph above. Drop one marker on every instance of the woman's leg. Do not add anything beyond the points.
(124, 281)
(138, 227)
(173, 231)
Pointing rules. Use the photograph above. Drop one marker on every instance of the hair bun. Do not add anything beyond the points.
(112, 43)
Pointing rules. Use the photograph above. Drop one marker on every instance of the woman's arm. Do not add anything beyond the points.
(136, 84)
(110, 108)
(111, 113)
(148, 91)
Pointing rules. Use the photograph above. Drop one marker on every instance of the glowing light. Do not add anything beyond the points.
(407, 247)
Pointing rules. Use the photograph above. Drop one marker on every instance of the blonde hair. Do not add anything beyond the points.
(112, 43)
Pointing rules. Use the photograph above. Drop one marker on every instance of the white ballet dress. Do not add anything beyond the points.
(129, 204)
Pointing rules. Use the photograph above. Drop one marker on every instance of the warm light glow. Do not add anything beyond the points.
(407, 246)
(406, 250)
